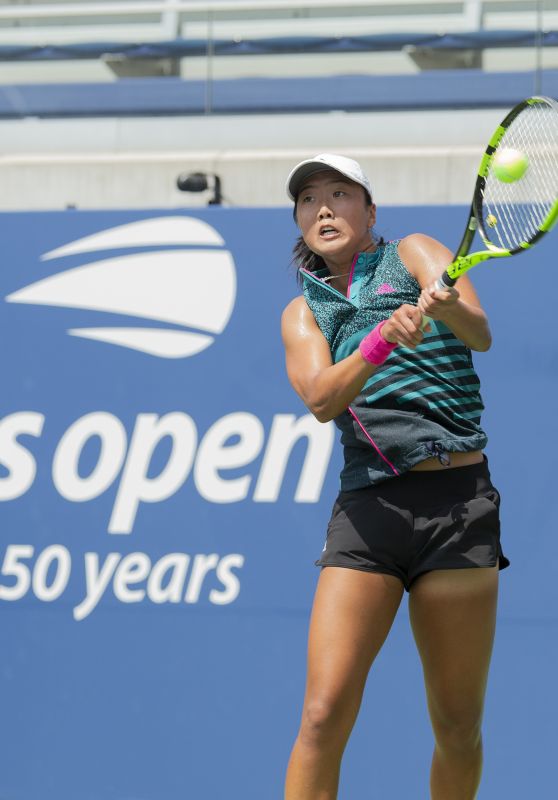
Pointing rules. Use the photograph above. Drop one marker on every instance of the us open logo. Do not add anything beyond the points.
(188, 294)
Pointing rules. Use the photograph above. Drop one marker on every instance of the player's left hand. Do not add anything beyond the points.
(437, 303)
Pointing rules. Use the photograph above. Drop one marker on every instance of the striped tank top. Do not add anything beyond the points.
(418, 404)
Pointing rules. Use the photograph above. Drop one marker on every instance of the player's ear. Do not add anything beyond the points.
(371, 215)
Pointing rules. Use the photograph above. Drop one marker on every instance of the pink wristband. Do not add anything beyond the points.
(374, 348)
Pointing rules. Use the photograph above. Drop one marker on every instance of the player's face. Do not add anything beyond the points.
(334, 217)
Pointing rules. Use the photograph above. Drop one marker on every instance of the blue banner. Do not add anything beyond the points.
(164, 495)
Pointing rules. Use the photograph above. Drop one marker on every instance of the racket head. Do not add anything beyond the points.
(512, 215)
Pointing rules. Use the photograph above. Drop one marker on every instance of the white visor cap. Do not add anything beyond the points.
(346, 166)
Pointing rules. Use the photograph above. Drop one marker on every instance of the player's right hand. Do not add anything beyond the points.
(404, 327)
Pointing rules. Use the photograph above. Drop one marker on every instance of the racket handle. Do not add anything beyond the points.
(443, 282)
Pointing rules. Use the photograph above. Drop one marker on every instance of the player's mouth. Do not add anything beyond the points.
(328, 232)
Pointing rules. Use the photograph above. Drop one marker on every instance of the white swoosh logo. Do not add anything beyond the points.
(159, 231)
(191, 288)
(156, 342)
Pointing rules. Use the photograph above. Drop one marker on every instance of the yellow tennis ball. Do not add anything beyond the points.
(509, 165)
(491, 221)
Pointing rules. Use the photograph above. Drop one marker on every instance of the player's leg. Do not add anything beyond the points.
(453, 616)
(351, 617)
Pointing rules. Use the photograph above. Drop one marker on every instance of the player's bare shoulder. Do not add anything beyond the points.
(296, 312)
(297, 320)
(424, 257)
(295, 307)
(417, 245)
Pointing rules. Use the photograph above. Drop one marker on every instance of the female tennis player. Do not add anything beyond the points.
(417, 510)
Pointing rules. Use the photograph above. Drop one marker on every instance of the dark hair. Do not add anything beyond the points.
(307, 259)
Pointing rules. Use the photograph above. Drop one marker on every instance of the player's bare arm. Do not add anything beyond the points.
(326, 388)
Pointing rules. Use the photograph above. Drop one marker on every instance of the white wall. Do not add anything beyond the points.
(412, 158)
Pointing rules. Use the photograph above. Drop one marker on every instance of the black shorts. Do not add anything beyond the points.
(418, 522)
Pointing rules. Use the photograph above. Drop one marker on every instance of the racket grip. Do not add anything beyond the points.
(443, 282)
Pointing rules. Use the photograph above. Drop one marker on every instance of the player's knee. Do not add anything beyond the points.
(323, 722)
(459, 732)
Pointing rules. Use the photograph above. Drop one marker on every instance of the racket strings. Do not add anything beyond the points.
(513, 213)
(522, 206)
(527, 201)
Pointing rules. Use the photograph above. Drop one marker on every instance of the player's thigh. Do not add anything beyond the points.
(453, 616)
(352, 614)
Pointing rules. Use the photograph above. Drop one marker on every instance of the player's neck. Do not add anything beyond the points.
(340, 271)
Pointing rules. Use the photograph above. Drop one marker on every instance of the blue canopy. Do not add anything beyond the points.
(181, 48)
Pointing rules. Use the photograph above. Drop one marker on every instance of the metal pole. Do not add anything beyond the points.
(537, 83)
(209, 74)
(170, 21)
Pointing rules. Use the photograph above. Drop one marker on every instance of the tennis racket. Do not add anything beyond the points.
(511, 210)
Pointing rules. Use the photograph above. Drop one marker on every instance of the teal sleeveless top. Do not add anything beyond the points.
(419, 403)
